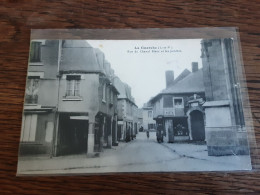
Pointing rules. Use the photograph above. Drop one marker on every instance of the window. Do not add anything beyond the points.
(104, 93)
(29, 128)
(32, 88)
(35, 52)
(178, 102)
(111, 96)
(73, 82)
(150, 114)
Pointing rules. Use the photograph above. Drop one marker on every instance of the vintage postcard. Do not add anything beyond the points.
(113, 106)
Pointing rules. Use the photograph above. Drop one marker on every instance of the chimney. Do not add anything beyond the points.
(194, 66)
(169, 78)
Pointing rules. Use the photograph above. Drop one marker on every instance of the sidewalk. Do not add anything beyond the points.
(40, 164)
(199, 152)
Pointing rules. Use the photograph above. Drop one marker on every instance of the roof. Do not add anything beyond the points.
(192, 83)
(186, 82)
(120, 86)
(78, 55)
(123, 89)
(100, 58)
(184, 73)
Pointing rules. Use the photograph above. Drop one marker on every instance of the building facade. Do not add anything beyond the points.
(178, 108)
(70, 101)
(225, 124)
(128, 116)
(148, 122)
(41, 99)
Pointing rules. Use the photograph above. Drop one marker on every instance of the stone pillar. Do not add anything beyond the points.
(109, 141)
(189, 125)
(116, 130)
(102, 134)
(91, 136)
(55, 139)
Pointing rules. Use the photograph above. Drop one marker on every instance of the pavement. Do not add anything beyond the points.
(139, 155)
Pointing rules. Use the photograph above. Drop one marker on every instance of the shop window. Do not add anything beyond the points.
(29, 128)
(73, 85)
(32, 89)
(35, 52)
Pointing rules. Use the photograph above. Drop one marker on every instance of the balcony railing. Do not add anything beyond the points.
(31, 99)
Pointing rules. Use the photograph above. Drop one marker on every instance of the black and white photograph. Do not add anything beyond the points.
(114, 106)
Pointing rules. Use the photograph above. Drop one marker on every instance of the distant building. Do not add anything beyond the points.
(178, 108)
(139, 118)
(225, 124)
(127, 112)
(148, 122)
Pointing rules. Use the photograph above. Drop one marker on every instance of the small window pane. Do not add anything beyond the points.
(35, 53)
(69, 91)
(104, 92)
(76, 87)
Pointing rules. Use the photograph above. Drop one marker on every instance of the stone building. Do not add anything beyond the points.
(41, 98)
(178, 108)
(128, 116)
(148, 122)
(225, 124)
(70, 102)
(87, 100)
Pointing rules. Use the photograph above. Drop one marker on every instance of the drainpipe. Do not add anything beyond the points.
(56, 126)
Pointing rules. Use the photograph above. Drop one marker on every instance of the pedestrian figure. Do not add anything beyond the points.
(147, 134)
(141, 129)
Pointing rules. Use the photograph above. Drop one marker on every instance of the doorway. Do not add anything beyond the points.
(197, 125)
(73, 135)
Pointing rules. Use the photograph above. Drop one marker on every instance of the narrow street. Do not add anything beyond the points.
(139, 155)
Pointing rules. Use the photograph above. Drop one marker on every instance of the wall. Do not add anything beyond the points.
(88, 92)
(158, 108)
(218, 117)
(43, 137)
(49, 59)
(213, 71)
(48, 92)
(146, 119)
(222, 132)
(108, 106)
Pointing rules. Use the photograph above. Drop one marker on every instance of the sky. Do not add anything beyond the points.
(142, 63)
